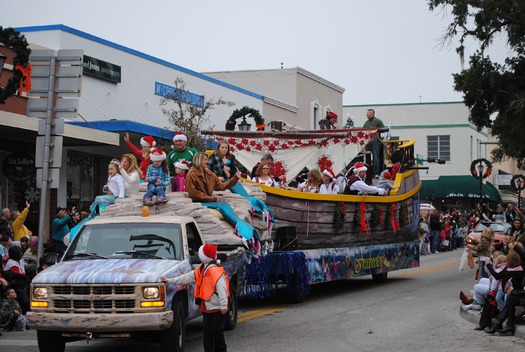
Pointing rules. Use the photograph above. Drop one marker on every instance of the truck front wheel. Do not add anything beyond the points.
(50, 341)
(172, 339)
(230, 319)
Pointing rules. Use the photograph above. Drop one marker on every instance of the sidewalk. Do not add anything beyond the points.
(473, 317)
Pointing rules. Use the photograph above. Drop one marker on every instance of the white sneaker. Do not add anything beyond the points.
(471, 306)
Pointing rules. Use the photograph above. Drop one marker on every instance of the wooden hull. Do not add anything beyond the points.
(312, 216)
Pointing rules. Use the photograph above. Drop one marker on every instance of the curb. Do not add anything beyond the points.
(473, 317)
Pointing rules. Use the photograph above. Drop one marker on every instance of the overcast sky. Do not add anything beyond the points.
(380, 51)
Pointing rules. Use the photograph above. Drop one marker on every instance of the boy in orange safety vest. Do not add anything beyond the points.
(211, 294)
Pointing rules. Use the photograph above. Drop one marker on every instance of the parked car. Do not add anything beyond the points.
(499, 228)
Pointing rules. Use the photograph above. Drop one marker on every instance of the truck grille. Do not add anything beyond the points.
(94, 299)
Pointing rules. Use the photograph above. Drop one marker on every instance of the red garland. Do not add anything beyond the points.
(362, 218)
(395, 225)
(380, 212)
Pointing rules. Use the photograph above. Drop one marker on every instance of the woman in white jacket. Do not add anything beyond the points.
(130, 171)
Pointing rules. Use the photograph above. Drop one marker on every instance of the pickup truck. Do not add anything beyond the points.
(108, 283)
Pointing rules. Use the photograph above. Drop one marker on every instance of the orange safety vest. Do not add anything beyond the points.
(205, 285)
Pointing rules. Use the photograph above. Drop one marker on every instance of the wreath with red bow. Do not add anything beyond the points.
(487, 168)
(13, 39)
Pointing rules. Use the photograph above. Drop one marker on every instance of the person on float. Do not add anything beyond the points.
(222, 162)
(356, 184)
(263, 176)
(158, 178)
(131, 173)
(329, 185)
(180, 151)
(147, 144)
(211, 295)
(331, 120)
(178, 183)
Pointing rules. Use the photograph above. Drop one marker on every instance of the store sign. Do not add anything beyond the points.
(101, 69)
(19, 167)
(170, 92)
(503, 180)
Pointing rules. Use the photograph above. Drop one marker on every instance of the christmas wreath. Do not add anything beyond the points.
(513, 182)
(487, 168)
(245, 112)
(13, 39)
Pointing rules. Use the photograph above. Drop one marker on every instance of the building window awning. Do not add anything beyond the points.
(458, 187)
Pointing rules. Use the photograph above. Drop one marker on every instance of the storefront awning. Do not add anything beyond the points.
(458, 187)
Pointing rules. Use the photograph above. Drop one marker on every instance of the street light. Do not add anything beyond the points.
(480, 168)
(244, 126)
(2, 61)
(519, 183)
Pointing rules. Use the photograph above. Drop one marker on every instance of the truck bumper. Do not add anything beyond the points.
(100, 322)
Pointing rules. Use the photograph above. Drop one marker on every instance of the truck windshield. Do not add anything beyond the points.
(150, 241)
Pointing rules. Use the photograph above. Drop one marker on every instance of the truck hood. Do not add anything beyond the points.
(104, 271)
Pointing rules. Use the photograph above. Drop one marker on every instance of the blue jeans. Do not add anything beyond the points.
(159, 191)
(434, 242)
(377, 159)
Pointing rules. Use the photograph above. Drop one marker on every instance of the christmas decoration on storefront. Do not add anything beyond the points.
(244, 113)
(16, 41)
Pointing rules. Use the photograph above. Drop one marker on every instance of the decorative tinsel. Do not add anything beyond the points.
(339, 215)
(360, 218)
(13, 39)
(393, 220)
(265, 276)
(377, 213)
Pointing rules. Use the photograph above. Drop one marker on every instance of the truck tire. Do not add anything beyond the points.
(230, 319)
(297, 293)
(172, 339)
(50, 341)
(380, 277)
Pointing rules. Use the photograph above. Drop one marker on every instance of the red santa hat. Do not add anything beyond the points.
(148, 141)
(358, 167)
(387, 175)
(329, 173)
(157, 155)
(182, 164)
(207, 253)
(331, 115)
(179, 136)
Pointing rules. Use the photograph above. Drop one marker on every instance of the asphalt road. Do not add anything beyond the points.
(414, 310)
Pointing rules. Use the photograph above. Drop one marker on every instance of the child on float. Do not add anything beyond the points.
(158, 178)
(178, 183)
(329, 185)
(385, 182)
(263, 175)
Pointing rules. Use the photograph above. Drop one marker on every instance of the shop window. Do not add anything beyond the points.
(438, 147)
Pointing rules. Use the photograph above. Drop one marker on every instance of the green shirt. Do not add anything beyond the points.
(375, 122)
(175, 156)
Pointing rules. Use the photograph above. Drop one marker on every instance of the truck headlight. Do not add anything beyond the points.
(40, 293)
(151, 292)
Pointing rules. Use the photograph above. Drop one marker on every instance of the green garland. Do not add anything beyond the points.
(339, 215)
(403, 214)
(13, 39)
(388, 216)
(245, 112)
(376, 217)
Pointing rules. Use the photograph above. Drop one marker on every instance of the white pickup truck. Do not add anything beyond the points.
(108, 283)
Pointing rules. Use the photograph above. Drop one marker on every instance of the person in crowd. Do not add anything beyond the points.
(60, 230)
(512, 283)
(211, 294)
(11, 313)
(178, 183)
(222, 162)
(356, 184)
(158, 178)
(263, 175)
(483, 249)
(517, 231)
(19, 218)
(435, 225)
(510, 213)
(131, 174)
(424, 237)
(147, 143)
(329, 186)
(375, 144)
(75, 219)
(6, 221)
(5, 244)
(499, 214)
(47, 260)
(201, 182)
(30, 257)
(181, 151)
(17, 278)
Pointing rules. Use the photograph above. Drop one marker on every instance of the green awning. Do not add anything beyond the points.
(458, 187)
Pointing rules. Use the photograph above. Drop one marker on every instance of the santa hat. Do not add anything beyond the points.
(183, 164)
(387, 175)
(207, 253)
(179, 136)
(329, 173)
(331, 115)
(148, 141)
(358, 167)
(157, 155)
